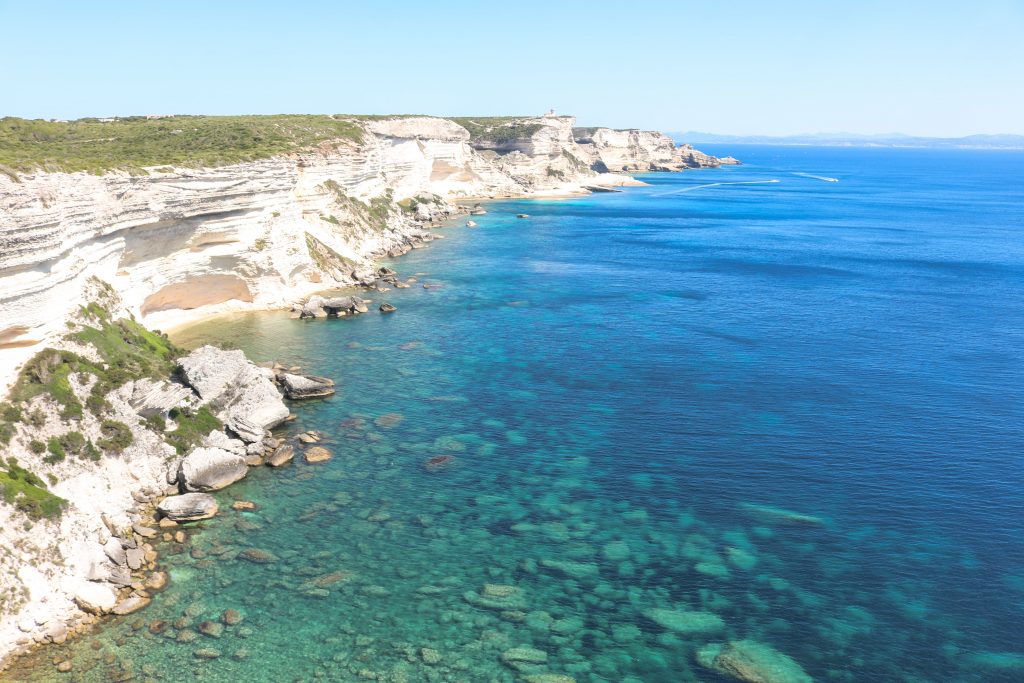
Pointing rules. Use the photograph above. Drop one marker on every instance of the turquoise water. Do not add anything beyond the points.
(796, 405)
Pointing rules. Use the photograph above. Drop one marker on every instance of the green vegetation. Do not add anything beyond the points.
(373, 215)
(498, 130)
(135, 142)
(326, 258)
(27, 492)
(192, 427)
(36, 446)
(117, 436)
(260, 244)
(56, 451)
(128, 351)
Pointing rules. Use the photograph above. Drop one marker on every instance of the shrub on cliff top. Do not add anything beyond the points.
(134, 142)
(117, 436)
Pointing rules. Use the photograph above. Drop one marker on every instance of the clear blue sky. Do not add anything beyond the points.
(758, 67)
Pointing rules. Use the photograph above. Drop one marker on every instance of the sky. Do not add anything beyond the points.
(767, 68)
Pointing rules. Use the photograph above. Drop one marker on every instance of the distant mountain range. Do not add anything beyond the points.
(856, 140)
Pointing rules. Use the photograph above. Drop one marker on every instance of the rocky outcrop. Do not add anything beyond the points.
(626, 151)
(241, 394)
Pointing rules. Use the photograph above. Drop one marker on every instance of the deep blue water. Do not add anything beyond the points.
(795, 403)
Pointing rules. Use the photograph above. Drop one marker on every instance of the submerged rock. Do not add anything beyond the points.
(682, 621)
(188, 507)
(317, 454)
(131, 604)
(753, 662)
(257, 556)
(281, 456)
(521, 658)
(211, 469)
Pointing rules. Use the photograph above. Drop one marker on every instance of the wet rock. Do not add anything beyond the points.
(144, 531)
(497, 596)
(211, 469)
(282, 455)
(130, 604)
(387, 308)
(388, 420)
(753, 662)
(258, 556)
(213, 629)
(438, 463)
(206, 653)
(166, 523)
(158, 626)
(317, 454)
(188, 507)
(64, 666)
(243, 505)
(186, 636)
(575, 570)
(616, 551)
(781, 515)
(688, 622)
(232, 617)
(549, 678)
(521, 658)
(134, 557)
(305, 386)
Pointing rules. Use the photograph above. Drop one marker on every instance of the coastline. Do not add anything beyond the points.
(54, 618)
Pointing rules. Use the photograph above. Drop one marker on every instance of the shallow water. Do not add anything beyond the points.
(796, 405)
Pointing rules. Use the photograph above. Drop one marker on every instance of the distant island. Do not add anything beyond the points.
(857, 140)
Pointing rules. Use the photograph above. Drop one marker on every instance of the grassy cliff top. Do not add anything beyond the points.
(131, 143)
(498, 129)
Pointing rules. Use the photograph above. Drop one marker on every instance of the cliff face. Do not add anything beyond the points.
(259, 234)
(639, 150)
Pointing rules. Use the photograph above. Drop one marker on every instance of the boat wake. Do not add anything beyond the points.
(826, 178)
(700, 187)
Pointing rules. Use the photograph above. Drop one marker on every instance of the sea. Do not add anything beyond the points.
(760, 423)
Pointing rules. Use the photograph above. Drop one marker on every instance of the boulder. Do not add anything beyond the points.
(347, 305)
(752, 662)
(210, 469)
(114, 550)
(313, 308)
(305, 386)
(282, 455)
(135, 558)
(317, 454)
(95, 598)
(387, 308)
(239, 393)
(188, 507)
